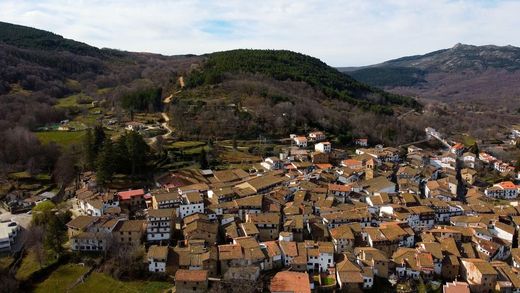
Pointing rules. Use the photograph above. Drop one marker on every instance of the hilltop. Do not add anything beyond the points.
(275, 92)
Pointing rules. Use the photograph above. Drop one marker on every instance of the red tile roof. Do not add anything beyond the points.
(125, 195)
(290, 282)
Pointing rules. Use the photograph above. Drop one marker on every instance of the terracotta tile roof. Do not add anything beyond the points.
(230, 251)
(456, 287)
(191, 275)
(290, 282)
(342, 232)
(126, 195)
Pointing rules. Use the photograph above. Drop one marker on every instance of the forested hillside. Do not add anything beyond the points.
(38, 68)
(286, 65)
(251, 93)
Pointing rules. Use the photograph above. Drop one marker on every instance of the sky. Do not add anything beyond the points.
(341, 33)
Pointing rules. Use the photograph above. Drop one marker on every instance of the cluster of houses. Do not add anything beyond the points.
(322, 217)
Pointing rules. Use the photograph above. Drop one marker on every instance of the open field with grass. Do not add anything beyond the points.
(468, 141)
(29, 266)
(186, 144)
(62, 279)
(60, 137)
(74, 101)
(99, 282)
(5, 262)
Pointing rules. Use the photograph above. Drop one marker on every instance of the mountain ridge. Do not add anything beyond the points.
(453, 73)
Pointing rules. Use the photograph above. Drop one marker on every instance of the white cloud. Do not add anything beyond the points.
(354, 32)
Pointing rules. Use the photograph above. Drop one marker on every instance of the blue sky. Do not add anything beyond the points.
(340, 32)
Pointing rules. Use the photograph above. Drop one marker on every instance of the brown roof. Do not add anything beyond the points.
(264, 218)
(456, 287)
(230, 251)
(161, 213)
(158, 252)
(342, 232)
(191, 275)
(289, 248)
(82, 222)
(130, 226)
(290, 282)
(169, 196)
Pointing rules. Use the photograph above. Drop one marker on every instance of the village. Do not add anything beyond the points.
(316, 218)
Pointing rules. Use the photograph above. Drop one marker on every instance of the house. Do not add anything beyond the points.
(201, 229)
(191, 281)
(300, 141)
(352, 164)
(132, 199)
(352, 277)
(363, 142)
(503, 231)
(342, 238)
(272, 163)
(129, 232)
(268, 224)
(261, 184)
(273, 255)
(92, 233)
(374, 258)
(480, 274)
(90, 241)
(507, 278)
(287, 281)
(378, 185)
(456, 287)
(157, 257)
(413, 264)
(469, 160)
(245, 251)
(8, 232)
(80, 224)
(192, 203)
(457, 149)
(160, 224)
(339, 192)
(165, 200)
(316, 136)
(503, 190)
(468, 175)
(323, 147)
(196, 255)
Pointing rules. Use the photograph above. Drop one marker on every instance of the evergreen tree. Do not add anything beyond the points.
(476, 150)
(89, 153)
(203, 160)
(137, 151)
(99, 137)
(105, 166)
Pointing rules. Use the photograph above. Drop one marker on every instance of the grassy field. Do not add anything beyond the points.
(186, 144)
(29, 266)
(72, 101)
(5, 262)
(62, 279)
(468, 141)
(236, 157)
(98, 282)
(60, 137)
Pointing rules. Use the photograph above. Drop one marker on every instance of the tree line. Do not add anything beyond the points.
(126, 155)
